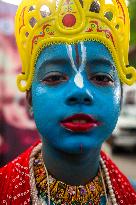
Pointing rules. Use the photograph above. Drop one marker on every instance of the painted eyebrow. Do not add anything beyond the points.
(102, 61)
(53, 62)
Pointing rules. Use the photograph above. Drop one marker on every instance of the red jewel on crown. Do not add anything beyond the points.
(69, 20)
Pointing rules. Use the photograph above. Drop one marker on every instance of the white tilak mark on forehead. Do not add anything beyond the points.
(78, 77)
(83, 63)
(69, 51)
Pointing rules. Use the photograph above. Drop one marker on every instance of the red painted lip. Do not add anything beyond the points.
(82, 123)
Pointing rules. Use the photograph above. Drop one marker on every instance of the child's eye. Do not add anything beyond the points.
(102, 79)
(54, 78)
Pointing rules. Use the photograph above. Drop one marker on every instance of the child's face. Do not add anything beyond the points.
(76, 96)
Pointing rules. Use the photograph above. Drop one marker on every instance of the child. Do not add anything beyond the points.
(74, 58)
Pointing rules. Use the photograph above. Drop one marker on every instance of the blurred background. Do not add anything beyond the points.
(17, 129)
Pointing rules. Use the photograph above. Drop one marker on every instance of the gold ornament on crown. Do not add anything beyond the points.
(40, 23)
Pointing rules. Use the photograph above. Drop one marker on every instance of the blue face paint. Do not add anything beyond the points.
(62, 88)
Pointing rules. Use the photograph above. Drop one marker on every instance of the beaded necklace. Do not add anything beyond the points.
(61, 193)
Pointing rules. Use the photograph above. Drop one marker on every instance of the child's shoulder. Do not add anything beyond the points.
(14, 180)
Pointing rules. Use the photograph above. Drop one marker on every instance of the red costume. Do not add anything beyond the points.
(15, 185)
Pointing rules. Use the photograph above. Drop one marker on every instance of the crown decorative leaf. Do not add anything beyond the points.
(40, 23)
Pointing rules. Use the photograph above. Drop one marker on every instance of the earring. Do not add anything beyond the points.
(31, 111)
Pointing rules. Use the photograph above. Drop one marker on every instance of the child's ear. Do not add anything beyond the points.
(29, 98)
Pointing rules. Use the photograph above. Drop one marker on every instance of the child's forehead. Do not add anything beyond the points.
(94, 50)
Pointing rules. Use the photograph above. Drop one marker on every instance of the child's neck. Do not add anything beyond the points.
(73, 169)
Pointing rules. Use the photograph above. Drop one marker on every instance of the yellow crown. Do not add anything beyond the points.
(40, 23)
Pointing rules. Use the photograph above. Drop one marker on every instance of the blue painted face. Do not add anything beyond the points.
(75, 79)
